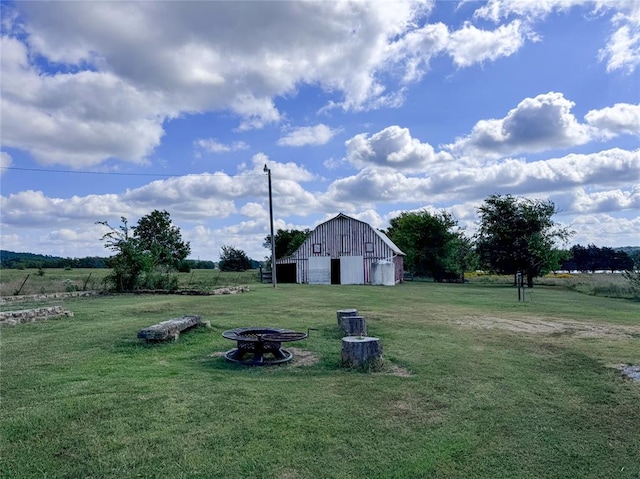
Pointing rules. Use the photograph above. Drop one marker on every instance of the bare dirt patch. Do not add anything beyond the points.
(302, 357)
(557, 327)
(416, 411)
(393, 370)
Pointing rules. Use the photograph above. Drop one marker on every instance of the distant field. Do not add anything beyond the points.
(59, 280)
(475, 385)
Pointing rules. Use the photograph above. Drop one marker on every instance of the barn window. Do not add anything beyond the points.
(346, 244)
(368, 247)
(317, 248)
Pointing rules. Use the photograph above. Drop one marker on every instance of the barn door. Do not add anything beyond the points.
(351, 270)
(319, 270)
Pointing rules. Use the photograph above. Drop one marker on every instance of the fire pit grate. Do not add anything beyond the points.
(260, 346)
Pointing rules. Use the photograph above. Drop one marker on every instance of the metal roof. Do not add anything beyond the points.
(382, 236)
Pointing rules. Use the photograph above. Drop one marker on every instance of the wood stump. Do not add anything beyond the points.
(341, 313)
(354, 325)
(361, 351)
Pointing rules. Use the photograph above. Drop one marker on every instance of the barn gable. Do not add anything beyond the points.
(341, 250)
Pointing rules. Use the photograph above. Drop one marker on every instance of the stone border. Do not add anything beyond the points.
(44, 297)
(84, 294)
(190, 292)
(12, 318)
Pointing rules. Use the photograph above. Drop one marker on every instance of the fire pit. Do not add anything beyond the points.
(260, 346)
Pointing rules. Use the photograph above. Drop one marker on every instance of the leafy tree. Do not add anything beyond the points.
(129, 262)
(155, 243)
(233, 259)
(433, 244)
(157, 236)
(518, 235)
(287, 241)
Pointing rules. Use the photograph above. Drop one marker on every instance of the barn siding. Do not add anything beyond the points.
(344, 236)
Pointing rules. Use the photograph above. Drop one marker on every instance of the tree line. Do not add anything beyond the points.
(590, 258)
(16, 260)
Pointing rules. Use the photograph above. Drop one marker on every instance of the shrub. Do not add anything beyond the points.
(157, 280)
(633, 277)
(69, 285)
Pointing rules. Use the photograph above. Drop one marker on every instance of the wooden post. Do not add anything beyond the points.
(361, 351)
(341, 313)
(354, 325)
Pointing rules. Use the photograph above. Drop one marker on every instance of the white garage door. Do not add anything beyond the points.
(319, 270)
(351, 270)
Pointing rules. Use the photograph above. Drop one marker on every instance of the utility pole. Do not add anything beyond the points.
(273, 238)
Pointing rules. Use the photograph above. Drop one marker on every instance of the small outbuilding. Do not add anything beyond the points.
(343, 250)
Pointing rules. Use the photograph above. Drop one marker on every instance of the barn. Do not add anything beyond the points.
(343, 250)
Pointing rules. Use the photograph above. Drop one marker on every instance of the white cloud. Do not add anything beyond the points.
(392, 147)
(121, 69)
(471, 45)
(621, 118)
(308, 135)
(606, 201)
(497, 10)
(621, 51)
(605, 230)
(613, 167)
(65, 119)
(212, 145)
(5, 161)
(536, 124)
(370, 186)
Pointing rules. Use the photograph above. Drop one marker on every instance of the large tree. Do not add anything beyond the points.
(155, 244)
(233, 259)
(433, 244)
(128, 264)
(158, 237)
(287, 241)
(518, 235)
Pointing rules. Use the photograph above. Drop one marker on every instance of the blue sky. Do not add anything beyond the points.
(113, 109)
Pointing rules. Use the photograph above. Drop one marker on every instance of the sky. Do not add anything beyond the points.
(369, 108)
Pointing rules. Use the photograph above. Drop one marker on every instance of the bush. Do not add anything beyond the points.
(633, 277)
(157, 280)
(69, 285)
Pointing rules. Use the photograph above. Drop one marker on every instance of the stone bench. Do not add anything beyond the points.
(169, 329)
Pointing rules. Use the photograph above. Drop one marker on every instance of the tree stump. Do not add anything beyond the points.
(341, 313)
(354, 325)
(359, 351)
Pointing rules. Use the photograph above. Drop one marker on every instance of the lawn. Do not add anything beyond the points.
(475, 385)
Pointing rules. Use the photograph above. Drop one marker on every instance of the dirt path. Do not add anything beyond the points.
(532, 325)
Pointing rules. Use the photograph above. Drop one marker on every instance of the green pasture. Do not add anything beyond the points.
(475, 385)
(54, 280)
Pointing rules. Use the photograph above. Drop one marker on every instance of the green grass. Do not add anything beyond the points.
(82, 397)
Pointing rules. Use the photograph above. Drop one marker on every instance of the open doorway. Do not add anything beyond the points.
(335, 271)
